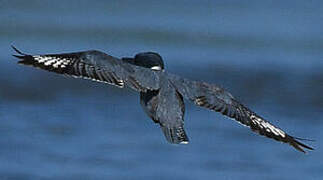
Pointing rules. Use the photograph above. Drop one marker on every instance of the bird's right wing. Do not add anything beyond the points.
(217, 99)
(94, 65)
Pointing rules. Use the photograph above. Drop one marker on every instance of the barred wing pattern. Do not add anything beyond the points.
(94, 65)
(219, 100)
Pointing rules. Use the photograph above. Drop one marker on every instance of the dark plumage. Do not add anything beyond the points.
(161, 93)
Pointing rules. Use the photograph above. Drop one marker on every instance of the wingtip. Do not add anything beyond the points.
(19, 57)
(17, 51)
(303, 139)
(25, 58)
(300, 146)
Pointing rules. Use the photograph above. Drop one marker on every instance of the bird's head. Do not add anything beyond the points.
(149, 60)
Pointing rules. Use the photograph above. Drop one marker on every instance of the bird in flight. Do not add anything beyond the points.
(161, 93)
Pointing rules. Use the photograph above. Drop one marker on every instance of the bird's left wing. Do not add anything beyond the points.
(94, 65)
(217, 99)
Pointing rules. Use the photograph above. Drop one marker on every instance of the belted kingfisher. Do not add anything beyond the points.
(161, 93)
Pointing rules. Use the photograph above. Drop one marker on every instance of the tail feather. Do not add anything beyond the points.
(175, 135)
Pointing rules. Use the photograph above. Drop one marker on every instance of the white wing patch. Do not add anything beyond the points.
(267, 126)
(59, 62)
(52, 61)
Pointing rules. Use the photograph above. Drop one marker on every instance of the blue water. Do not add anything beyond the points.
(268, 54)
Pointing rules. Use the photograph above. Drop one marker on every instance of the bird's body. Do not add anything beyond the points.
(161, 93)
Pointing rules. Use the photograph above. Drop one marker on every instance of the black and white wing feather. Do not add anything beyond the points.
(217, 99)
(94, 65)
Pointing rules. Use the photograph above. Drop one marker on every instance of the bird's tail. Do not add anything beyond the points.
(175, 135)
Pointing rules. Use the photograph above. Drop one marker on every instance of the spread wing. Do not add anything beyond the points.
(94, 65)
(217, 99)
(170, 114)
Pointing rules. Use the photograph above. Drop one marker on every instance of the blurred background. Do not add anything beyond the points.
(268, 54)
